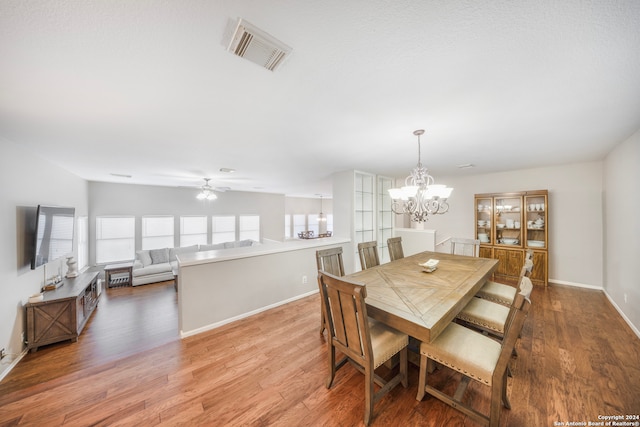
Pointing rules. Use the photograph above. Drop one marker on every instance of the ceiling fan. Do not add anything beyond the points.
(207, 191)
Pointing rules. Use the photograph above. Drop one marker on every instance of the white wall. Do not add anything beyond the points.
(27, 181)
(622, 227)
(575, 214)
(235, 283)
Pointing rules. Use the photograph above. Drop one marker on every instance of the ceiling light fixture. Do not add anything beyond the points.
(420, 196)
(321, 217)
(206, 192)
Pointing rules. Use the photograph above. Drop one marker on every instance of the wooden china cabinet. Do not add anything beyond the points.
(507, 225)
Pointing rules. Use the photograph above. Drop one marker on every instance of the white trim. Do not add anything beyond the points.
(626, 319)
(576, 285)
(13, 363)
(244, 315)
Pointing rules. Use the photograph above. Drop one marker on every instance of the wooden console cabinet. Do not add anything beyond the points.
(507, 225)
(63, 312)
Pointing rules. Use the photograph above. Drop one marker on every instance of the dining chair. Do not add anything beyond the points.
(394, 244)
(502, 293)
(490, 317)
(329, 260)
(368, 252)
(476, 357)
(365, 342)
(463, 246)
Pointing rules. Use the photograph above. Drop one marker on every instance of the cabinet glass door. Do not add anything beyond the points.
(385, 217)
(364, 227)
(536, 221)
(484, 208)
(508, 220)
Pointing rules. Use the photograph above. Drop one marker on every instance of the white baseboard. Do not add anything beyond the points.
(13, 363)
(574, 284)
(244, 315)
(624, 316)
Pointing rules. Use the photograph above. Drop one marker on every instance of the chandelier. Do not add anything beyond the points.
(206, 192)
(420, 196)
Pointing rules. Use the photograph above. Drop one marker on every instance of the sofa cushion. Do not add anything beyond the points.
(212, 247)
(183, 250)
(144, 257)
(152, 269)
(243, 243)
(159, 256)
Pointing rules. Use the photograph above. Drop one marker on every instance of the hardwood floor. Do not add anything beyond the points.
(577, 359)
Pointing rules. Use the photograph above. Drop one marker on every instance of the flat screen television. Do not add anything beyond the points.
(53, 237)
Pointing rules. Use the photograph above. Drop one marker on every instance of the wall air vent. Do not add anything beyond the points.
(257, 46)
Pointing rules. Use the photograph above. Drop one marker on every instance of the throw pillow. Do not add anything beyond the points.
(144, 258)
(159, 256)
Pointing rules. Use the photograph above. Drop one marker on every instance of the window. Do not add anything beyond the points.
(299, 224)
(314, 224)
(287, 226)
(83, 242)
(193, 230)
(223, 229)
(330, 222)
(115, 239)
(249, 227)
(157, 232)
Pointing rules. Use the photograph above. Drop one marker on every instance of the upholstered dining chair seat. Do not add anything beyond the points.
(485, 315)
(489, 316)
(497, 292)
(386, 342)
(465, 351)
(501, 293)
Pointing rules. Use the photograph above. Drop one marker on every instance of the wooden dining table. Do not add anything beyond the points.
(402, 295)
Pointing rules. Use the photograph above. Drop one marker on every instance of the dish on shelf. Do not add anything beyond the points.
(500, 226)
(508, 241)
(535, 243)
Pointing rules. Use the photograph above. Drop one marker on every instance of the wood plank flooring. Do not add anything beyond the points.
(577, 359)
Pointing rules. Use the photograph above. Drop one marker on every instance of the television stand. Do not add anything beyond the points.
(63, 312)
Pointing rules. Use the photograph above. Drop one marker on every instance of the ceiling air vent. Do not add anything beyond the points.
(257, 46)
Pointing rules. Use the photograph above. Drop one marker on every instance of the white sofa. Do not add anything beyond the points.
(156, 265)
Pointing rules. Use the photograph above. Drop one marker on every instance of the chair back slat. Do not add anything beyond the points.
(330, 260)
(395, 248)
(463, 246)
(525, 287)
(347, 315)
(520, 310)
(368, 252)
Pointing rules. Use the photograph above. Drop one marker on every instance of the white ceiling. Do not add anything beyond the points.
(146, 88)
